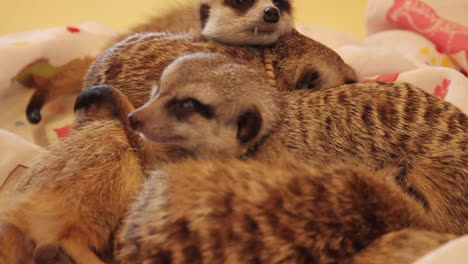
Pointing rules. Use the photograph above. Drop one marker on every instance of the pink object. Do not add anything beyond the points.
(389, 77)
(73, 29)
(442, 89)
(449, 37)
(63, 132)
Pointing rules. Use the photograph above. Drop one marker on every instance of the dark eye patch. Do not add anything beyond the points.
(309, 80)
(283, 5)
(240, 5)
(204, 14)
(350, 81)
(183, 108)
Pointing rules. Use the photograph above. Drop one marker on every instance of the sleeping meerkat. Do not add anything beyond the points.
(368, 124)
(246, 22)
(71, 201)
(229, 211)
(136, 64)
(220, 119)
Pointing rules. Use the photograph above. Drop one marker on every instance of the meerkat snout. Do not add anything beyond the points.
(246, 22)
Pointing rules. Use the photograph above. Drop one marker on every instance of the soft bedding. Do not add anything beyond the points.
(421, 42)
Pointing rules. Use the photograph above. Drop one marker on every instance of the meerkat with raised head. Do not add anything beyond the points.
(230, 211)
(246, 22)
(299, 62)
(367, 124)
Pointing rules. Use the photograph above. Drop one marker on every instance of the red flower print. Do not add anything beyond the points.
(73, 29)
(442, 90)
(63, 132)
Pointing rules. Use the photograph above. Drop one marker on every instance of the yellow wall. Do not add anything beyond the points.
(21, 15)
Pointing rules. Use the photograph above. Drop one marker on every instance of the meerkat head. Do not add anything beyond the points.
(208, 104)
(246, 22)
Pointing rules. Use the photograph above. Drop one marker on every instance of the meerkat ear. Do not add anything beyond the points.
(249, 124)
(310, 80)
(154, 90)
(204, 14)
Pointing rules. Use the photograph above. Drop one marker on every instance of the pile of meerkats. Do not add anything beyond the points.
(238, 141)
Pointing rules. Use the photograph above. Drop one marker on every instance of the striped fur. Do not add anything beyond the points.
(376, 124)
(285, 212)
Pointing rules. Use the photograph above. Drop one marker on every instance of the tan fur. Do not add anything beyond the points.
(372, 124)
(246, 92)
(110, 129)
(367, 124)
(76, 195)
(136, 64)
(229, 211)
(229, 25)
(402, 247)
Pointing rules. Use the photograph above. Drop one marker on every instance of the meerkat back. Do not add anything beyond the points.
(374, 124)
(229, 211)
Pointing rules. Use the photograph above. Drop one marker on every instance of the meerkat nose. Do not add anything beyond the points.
(134, 122)
(271, 15)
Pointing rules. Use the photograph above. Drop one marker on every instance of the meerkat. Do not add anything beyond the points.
(79, 163)
(372, 124)
(295, 61)
(231, 211)
(71, 201)
(246, 22)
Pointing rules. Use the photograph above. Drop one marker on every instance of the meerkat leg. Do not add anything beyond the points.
(80, 253)
(404, 247)
(15, 247)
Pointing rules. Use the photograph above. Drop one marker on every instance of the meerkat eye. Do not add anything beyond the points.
(183, 108)
(189, 104)
(241, 3)
(283, 5)
(277, 2)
